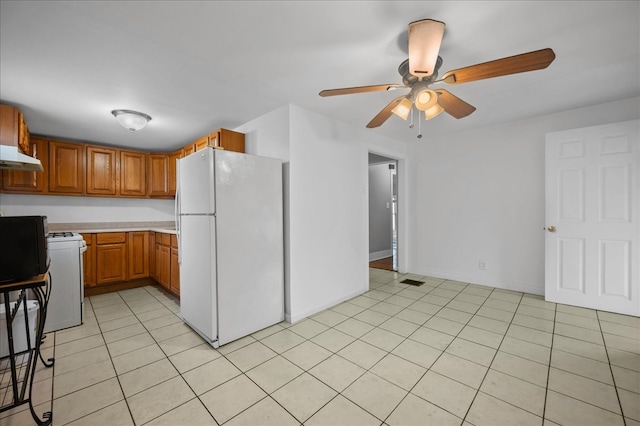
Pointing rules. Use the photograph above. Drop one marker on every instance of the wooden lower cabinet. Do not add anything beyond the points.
(174, 281)
(116, 257)
(89, 260)
(111, 257)
(152, 255)
(138, 254)
(167, 272)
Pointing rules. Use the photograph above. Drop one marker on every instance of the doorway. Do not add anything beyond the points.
(383, 212)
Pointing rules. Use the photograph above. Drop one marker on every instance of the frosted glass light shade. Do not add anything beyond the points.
(131, 120)
(425, 99)
(403, 108)
(425, 38)
(433, 111)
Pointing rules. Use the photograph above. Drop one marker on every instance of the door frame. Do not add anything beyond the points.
(401, 177)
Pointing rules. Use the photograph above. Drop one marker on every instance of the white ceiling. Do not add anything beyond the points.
(199, 65)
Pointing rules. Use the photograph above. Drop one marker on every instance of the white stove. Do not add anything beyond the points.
(67, 280)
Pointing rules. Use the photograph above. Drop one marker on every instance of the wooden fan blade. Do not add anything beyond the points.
(425, 37)
(531, 61)
(360, 89)
(383, 115)
(453, 105)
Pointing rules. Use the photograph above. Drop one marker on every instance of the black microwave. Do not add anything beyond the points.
(23, 247)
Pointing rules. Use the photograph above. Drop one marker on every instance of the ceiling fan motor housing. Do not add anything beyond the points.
(409, 79)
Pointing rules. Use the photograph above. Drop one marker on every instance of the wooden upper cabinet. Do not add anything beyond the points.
(158, 175)
(29, 182)
(189, 149)
(221, 139)
(227, 139)
(23, 135)
(66, 168)
(133, 166)
(173, 158)
(201, 143)
(102, 171)
(9, 125)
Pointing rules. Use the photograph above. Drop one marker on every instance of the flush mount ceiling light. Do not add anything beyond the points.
(131, 120)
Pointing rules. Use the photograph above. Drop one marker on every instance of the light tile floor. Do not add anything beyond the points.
(442, 353)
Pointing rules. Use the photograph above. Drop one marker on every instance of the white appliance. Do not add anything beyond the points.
(230, 243)
(67, 280)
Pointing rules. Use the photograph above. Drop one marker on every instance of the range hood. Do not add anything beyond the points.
(11, 158)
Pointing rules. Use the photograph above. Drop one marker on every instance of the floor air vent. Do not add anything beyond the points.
(412, 282)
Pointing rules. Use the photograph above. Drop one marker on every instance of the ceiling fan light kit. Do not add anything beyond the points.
(420, 71)
(433, 111)
(403, 108)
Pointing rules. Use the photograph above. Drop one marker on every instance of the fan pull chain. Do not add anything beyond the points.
(419, 123)
(411, 122)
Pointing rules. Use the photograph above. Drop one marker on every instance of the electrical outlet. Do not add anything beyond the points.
(482, 264)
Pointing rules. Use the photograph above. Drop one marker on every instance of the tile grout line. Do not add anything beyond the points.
(613, 377)
(546, 389)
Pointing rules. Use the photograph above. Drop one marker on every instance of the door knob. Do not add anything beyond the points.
(551, 229)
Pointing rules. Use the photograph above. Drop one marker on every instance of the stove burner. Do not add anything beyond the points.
(60, 234)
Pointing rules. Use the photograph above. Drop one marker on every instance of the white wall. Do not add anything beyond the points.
(326, 251)
(480, 196)
(64, 209)
(268, 136)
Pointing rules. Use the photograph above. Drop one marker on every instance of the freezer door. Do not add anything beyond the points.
(198, 295)
(195, 183)
(250, 244)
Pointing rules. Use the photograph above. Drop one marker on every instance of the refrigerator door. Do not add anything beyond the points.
(198, 296)
(195, 177)
(250, 243)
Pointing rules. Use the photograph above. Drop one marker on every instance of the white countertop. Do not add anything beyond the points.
(99, 227)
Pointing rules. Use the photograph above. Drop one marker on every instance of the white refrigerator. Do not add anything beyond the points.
(230, 243)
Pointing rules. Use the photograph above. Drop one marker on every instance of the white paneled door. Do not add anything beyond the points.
(592, 213)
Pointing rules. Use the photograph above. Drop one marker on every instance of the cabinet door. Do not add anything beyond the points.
(201, 143)
(189, 149)
(227, 139)
(158, 261)
(111, 264)
(9, 125)
(165, 266)
(152, 255)
(89, 260)
(102, 171)
(23, 134)
(173, 158)
(138, 255)
(30, 182)
(133, 166)
(158, 175)
(175, 272)
(66, 168)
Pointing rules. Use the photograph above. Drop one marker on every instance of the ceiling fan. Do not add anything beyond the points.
(420, 71)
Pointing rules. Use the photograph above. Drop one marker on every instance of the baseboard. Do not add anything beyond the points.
(125, 285)
(380, 255)
(477, 280)
(293, 318)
